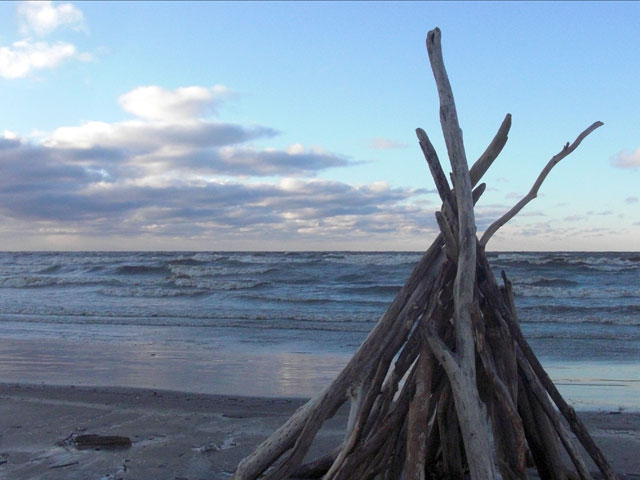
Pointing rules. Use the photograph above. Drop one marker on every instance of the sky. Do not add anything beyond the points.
(291, 126)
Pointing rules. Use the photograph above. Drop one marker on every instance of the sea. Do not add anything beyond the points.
(285, 323)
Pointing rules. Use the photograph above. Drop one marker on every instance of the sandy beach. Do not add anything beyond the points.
(184, 435)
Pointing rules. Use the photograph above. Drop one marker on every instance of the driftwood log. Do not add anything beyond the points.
(445, 384)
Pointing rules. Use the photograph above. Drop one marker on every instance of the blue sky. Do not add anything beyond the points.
(290, 126)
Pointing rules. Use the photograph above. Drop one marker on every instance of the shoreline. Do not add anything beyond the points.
(189, 436)
(210, 363)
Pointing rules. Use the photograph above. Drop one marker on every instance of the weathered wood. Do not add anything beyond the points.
(530, 374)
(439, 178)
(517, 442)
(531, 379)
(317, 467)
(569, 413)
(533, 193)
(542, 439)
(449, 316)
(355, 399)
(419, 416)
(411, 295)
(375, 384)
(480, 166)
(544, 443)
(472, 414)
(391, 424)
(450, 441)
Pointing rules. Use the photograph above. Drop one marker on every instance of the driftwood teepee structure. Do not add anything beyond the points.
(445, 383)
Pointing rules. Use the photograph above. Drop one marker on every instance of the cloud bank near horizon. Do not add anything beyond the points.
(175, 176)
(173, 171)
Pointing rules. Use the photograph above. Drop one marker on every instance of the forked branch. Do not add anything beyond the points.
(533, 193)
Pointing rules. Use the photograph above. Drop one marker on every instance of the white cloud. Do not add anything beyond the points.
(9, 135)
(27, 55)
(140, 137)
(156, 103)
(45, 187)
(627, 159)
(24, 56)
(171, 137)
(42, 17)
(632, 199)
(167, 172)
(381, 143)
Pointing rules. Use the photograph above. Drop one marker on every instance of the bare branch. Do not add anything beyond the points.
(480, 167)
(435, 167)
(533, 193)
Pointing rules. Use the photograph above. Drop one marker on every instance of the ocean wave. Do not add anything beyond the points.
(588, 261)
(353, 278)
(373, 289)
(620, 315)
(210, 285)
(223, 324)
(51, 269)
(158, 292)
(206, 270)
(142, 270)
(49, 281)
(576, 292)
(313, 301)
(390, 259)
(299, 290)
(545, 282)
(594, 319)
(187, 262)
(602, 310)
(572, 335)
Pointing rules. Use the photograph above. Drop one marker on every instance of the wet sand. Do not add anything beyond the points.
(178, 436)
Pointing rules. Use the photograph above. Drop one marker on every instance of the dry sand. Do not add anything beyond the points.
(185, 436)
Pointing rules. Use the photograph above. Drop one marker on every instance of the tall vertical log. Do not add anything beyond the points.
(472, 414)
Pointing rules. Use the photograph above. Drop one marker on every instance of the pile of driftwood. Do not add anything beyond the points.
(445, 385)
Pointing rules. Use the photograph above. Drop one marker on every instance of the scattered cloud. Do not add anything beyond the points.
(156, 103)
(24, 56)
(630, 200)
(171, 138)
(162, 138)
(380, 143)
(626, 159)
(42, 17)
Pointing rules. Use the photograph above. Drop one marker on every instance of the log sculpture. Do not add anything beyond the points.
(445, 383)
